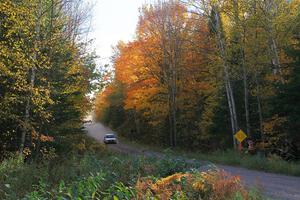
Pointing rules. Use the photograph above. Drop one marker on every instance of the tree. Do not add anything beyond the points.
(42, 70)
(166, 60)
(197, 69)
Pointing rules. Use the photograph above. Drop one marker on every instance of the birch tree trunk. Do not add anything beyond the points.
(271, 12)
(228, 87)
(231, 113)
(25, 132)
(275, 57)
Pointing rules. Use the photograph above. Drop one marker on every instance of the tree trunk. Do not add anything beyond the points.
(246, 92)
(174, 107)
(272, 42)
(231, 114)
(137, 122)
(172, 40)
(233, 104)
(26, 126)
(275, 59)
(229, 91)
(170, 120)
(246, 100)
(259, 109)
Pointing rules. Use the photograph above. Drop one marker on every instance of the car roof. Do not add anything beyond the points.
(109, 134)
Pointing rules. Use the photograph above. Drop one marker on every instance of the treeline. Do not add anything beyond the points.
(46, 72)
(199, 71)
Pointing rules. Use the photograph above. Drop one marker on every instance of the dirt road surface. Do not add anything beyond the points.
(274, 186)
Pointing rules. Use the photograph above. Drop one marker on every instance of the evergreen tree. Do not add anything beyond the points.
(286, 104)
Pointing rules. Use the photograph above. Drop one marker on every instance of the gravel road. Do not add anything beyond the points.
(274, 186)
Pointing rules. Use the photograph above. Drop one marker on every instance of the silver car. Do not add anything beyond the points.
(110, 139)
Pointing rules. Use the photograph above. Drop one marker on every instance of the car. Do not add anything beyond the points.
(110, 139)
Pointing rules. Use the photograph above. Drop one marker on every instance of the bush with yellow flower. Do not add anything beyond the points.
(210, 185)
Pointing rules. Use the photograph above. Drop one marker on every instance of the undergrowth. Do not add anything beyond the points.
(86, 170)
(270, 163)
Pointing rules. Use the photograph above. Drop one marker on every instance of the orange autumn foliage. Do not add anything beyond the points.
(214, 185)
(102, 101)
(165, 70)
(133, 69)
(140, 64)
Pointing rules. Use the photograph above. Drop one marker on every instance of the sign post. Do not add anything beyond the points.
(240, 136)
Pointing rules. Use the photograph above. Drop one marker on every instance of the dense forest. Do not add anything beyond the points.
(199, 71)
(196, 72)
(46, 72)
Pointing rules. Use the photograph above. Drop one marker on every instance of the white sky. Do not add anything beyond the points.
(113, 20)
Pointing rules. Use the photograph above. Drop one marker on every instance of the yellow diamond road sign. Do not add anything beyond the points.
(240, 136)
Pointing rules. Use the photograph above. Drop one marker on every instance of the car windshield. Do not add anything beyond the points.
(110, 136)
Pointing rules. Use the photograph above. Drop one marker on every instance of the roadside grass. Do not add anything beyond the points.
(143, 146)
(272, 164)
(84, 169)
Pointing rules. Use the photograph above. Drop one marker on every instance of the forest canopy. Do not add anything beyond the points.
(199, 71)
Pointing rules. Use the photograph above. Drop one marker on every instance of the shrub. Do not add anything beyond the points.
(86, 188)
(119, 191)
(211, 185)
(17, 178)
(105, 175)
(11, 164)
